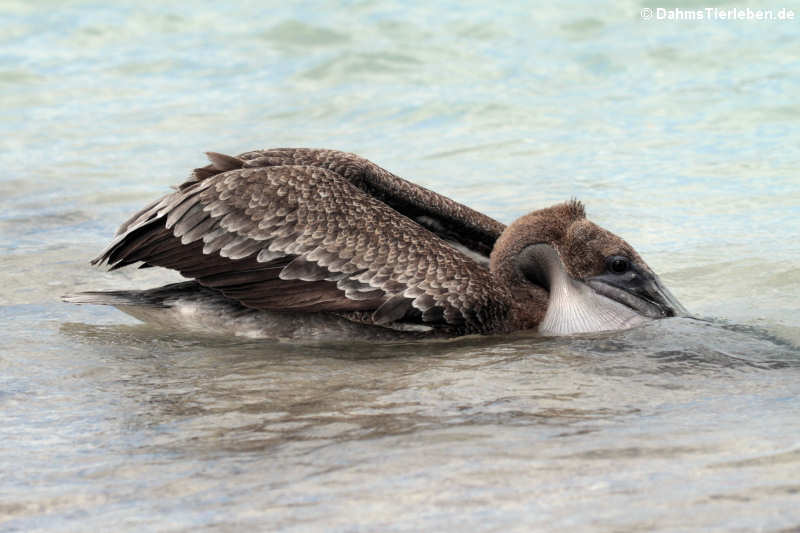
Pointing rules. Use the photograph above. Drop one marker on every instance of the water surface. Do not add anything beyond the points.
(681, 137)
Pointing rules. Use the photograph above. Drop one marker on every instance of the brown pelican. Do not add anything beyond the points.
(297, 242)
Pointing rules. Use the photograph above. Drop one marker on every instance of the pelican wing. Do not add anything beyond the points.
(272, 231)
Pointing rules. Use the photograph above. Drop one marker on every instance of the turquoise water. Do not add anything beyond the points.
(682, 137)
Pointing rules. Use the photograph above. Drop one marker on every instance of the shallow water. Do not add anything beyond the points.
(681, 137)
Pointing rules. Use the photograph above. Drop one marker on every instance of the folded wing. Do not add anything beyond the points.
(318, 230)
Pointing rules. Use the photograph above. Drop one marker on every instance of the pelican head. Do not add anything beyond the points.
(592, 280)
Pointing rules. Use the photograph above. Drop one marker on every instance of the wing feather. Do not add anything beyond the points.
(449, 219)
(286, 236)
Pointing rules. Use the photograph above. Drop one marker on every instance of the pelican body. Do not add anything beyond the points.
(307, 243)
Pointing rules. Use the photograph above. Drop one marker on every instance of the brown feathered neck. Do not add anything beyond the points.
(548, 226)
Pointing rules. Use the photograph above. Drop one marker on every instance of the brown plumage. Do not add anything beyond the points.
(327, 232)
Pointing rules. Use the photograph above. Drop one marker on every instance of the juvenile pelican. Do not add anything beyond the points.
(306, 243)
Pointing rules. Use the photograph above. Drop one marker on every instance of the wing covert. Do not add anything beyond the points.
(303, 237)
(447, 218)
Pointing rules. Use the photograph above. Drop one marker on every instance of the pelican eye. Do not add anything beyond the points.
(618, 264)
